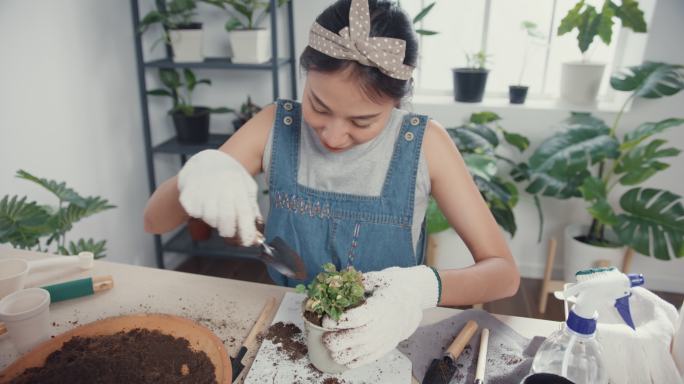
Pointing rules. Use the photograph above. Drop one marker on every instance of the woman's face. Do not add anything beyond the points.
(340, 113)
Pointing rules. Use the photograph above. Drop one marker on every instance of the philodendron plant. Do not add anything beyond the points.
(332, 292)
(180, 91)
(479, 141)
(245, 14)
(587, 159)
(23, 224)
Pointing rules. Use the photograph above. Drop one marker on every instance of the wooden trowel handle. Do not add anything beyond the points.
(462, 339)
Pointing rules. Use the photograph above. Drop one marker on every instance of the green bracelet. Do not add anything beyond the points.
(439, 284)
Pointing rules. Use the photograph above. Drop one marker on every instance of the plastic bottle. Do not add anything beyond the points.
(573, 352)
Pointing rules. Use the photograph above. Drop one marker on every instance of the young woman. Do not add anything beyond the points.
(349, 176)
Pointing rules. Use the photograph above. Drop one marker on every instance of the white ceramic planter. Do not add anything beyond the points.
(250, 46)
(187, 45)
(578, 255)
(580, 82)
(318, 353)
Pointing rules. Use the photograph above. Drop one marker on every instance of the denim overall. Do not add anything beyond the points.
(368, 232)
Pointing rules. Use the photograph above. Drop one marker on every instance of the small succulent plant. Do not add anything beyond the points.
(332, 291)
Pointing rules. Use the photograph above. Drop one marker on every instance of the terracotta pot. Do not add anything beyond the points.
(199, 230)
(200, 338)
(318, 353)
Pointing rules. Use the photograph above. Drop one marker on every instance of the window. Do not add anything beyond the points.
(466, 26)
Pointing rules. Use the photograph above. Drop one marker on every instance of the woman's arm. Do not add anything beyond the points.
(494, 275)
(164, 212)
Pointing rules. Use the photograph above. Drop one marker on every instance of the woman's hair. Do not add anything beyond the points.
(387, 20)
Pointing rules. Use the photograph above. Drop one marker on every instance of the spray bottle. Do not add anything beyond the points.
(573, 351)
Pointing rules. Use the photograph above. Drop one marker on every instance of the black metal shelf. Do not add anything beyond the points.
(181, 242)
(216, 63)
(173, 146)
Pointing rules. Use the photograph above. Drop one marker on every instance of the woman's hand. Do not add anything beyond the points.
(391, 314)
(216, 188)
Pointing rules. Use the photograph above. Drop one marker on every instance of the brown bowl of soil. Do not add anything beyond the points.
(133, 349)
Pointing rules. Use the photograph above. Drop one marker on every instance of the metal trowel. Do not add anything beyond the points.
(280, 256)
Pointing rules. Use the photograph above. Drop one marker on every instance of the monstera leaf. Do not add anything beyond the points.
(653, 222)
(470, 141)
(501, 196)
(650, 80)
(560, 164)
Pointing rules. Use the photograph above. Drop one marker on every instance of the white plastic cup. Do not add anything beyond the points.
(12, 275)
(26, 314)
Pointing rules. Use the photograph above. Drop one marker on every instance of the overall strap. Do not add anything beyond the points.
(285, 146)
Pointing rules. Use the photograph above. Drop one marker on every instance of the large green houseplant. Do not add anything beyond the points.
(191, 121)
(178, 28)
(588, 159)
(479, 141)
(28, 225)
(580, 81)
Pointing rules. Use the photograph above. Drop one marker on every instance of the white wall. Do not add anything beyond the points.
(71, 112)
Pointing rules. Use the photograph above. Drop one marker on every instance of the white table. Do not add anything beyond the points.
(228, 307)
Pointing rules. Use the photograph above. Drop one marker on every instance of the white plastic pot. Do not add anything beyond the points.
(578, 255)
(580, 82)
(318, 353)
(187, 45)
(250, 46)
(26, 315)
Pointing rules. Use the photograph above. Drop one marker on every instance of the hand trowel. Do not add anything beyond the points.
(442, 369)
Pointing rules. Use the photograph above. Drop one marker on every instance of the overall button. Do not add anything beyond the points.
(287, 106)
(287, 120)
(408, 136)
(415, 121)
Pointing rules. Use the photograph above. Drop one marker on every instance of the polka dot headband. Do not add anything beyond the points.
(354, 43)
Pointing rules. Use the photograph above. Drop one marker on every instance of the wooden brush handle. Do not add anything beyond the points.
(462, 339)
(3, 329)
(260, 322)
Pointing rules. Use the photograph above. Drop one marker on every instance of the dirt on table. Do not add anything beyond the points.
(138, 356)
(290, 338)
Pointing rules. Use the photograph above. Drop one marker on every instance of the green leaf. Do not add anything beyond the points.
(593, 188)
(605, 27)
(517, 140)
(73, 213)
(650, 80)
(505, 218)
(60, 190)
(480, 165)
(426, 32)
(469, 141)
(436, 222)
(486, 132)
(190, 79)
(423, 12)
(646, 130)
(150, 18)
(233, 24)
(484, 117)
(571, 19)
(653, 222)
(22, 223)
(631, 16)
(603, 212)
(159, 92)
(97, 248)
(641, 163)
(170, 78)
(561, 162)
(588, 28)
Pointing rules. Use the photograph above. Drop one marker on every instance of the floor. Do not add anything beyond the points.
(524, 303)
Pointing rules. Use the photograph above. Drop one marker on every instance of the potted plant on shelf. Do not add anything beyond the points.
(587, 159)
(479, 141)
(518, 93)
(470, 81)
(581, 80)
(247, 110)
(191, 122)
(24, 223)
(250, 43)
(329, 294)
(179, 29)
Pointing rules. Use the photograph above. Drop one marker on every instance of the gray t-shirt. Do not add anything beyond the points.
(339, 172)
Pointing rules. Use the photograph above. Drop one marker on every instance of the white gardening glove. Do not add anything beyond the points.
(216, 188)
(391, 314)
(641, 356)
